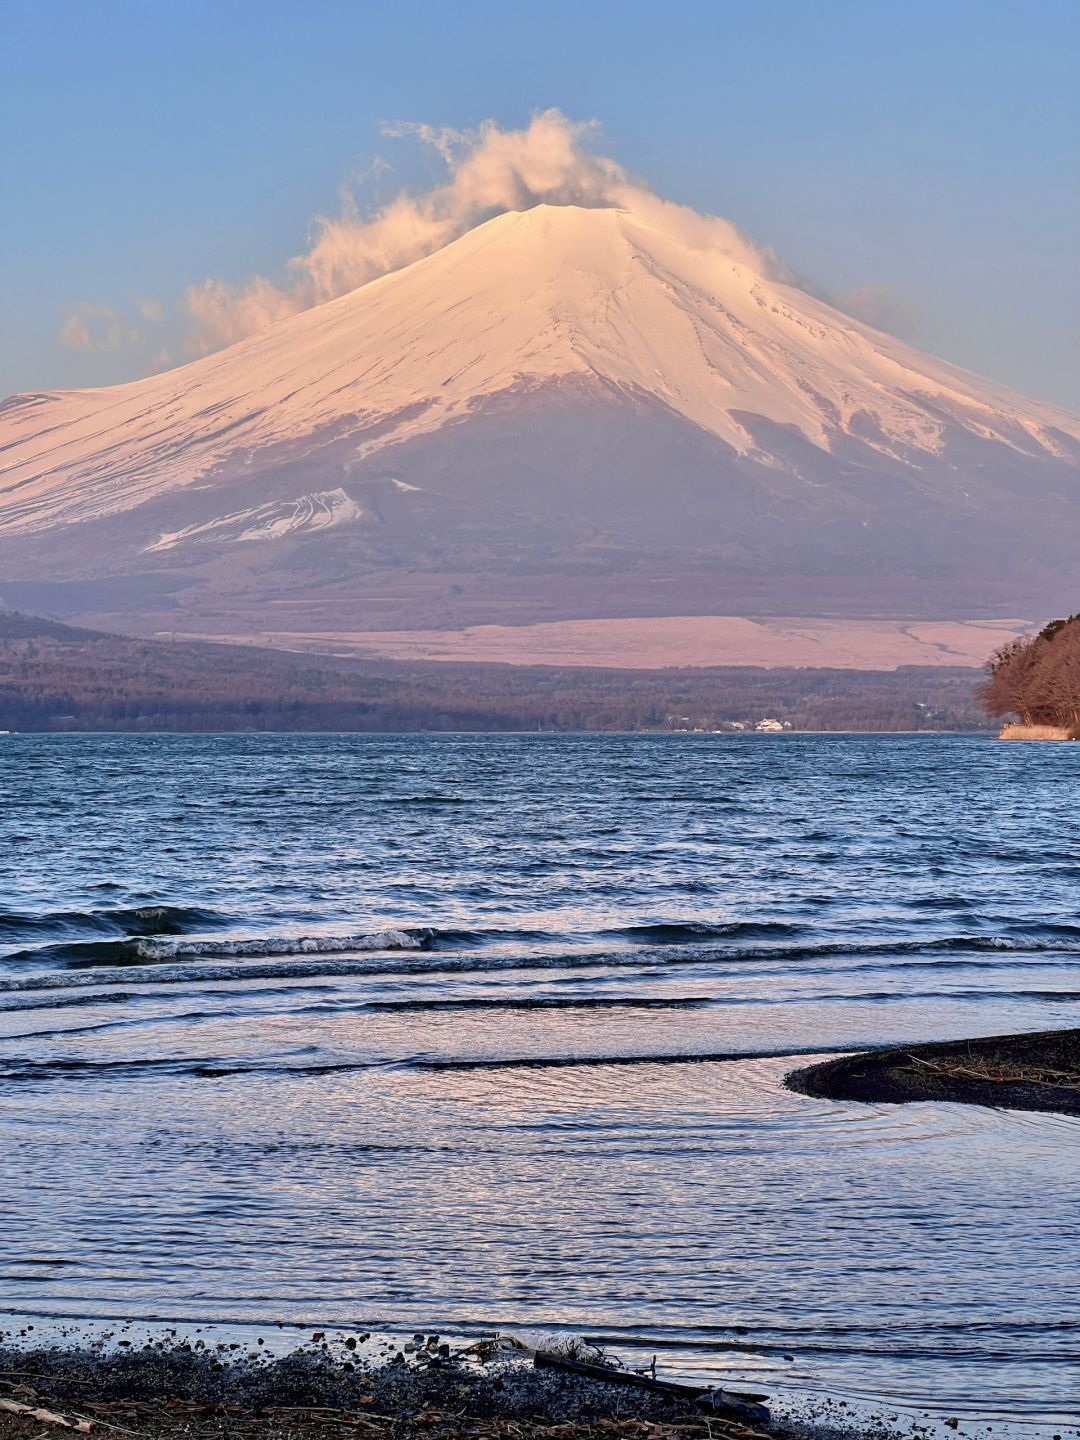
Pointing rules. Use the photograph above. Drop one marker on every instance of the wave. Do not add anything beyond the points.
(155, 934)
(1033, 942)
(537, 1002)
(676, 932)
(1038, 938)
(690, 1057)
(132, 920)
(158, 949)
(198, 1068)
(288, 969)
(76, 954)
(950, 944)
(223, 1067)
(509, 1006)
(432, 800)
(119, 962)
(13, 1004)
(168, 949)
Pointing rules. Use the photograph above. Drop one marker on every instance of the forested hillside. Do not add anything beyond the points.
(56, 677)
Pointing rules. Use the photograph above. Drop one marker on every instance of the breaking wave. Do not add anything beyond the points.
(169, 949)
(159, 949)
(170, 959)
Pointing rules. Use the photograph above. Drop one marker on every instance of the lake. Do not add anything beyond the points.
(457, 1032)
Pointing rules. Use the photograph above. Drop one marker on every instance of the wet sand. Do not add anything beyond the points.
(1039, 1071)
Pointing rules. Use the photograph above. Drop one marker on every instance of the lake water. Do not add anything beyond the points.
(463, 1032)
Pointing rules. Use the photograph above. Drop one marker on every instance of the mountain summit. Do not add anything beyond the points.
(561, 392)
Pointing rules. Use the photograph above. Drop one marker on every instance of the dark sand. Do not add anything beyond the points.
(173, 1389)
(1039, 1071)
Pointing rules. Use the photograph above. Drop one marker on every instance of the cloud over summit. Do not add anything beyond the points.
(485, 172)
(489, 171)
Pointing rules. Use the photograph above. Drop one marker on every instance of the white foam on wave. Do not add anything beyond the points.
(163, 947)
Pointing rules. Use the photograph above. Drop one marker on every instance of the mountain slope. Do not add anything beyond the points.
(560, 389)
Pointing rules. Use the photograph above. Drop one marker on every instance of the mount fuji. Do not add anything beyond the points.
(565, 413)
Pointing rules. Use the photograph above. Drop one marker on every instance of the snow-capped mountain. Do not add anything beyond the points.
(561, 388)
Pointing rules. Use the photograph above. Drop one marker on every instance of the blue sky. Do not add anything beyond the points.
(928, 154)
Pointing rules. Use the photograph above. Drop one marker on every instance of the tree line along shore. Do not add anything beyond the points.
(1036, 678)
(54, 677)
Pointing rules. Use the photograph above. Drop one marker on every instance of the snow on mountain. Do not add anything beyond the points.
(305, 514)
(557, 378)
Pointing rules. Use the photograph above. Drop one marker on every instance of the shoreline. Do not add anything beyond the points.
(1037, 732)
(1037, 1071)
(982, 733)
(176, 1387)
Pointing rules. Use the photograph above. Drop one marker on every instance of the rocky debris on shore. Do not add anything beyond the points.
(1038, 1071)
(171, 1387)
(174, 1387)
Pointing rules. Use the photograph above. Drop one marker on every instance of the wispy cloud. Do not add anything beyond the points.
(96, 326)
(485, 172)
(488, 171)
(152, 311)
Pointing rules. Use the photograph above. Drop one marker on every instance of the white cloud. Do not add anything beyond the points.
(150, 310)
(489, 171)
(96, 326)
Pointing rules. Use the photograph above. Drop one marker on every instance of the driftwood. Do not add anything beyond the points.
(83, 1423)
(726, 1403)
(327, 1413)
(724, 1414)
(46, 1417)
(1002, 1075)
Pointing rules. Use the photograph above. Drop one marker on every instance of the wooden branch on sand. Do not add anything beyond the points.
(726, 1403)
(46, 1417)
(1002, 1075)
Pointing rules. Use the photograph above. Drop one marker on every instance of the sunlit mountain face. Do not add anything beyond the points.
(565, 413)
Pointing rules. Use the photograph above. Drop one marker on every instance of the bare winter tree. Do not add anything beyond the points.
(1055, 681)
(1037, 677)
(1009, 672)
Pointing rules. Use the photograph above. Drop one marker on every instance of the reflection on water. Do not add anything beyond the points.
(443, 1032)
